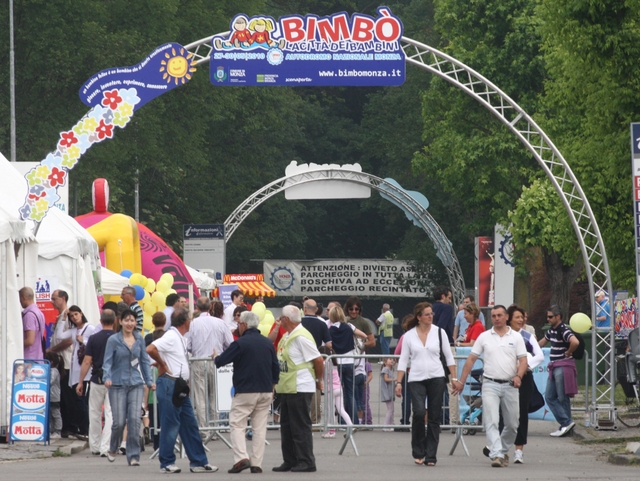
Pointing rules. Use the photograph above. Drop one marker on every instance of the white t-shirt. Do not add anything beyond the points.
(228, 317)
(172, 347)
(167, 312)
(501, 354)
(303, 350)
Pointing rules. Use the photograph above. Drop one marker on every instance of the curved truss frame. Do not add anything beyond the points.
(559, 174)
(424, 219)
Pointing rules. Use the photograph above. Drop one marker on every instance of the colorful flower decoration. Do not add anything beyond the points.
(116, 109)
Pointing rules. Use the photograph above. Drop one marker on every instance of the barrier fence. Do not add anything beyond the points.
(212, 394)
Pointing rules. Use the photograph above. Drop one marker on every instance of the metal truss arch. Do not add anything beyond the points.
(423, 218)
(559, 174)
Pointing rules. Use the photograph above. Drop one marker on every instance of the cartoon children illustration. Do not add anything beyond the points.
(249, 35)
(261, 28)
(240, 36)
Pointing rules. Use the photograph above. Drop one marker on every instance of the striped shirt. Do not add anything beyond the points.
(137, 310)
(559, 338)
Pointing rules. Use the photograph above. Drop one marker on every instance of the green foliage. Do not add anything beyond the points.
(540, 220)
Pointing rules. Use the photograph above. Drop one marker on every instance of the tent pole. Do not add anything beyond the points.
(4, 421)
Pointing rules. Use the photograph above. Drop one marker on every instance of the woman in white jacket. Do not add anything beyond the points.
(79, 330)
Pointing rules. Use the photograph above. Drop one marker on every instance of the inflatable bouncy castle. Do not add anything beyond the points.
(127, 245)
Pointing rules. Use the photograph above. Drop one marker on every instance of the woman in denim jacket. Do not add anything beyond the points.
(126, 363)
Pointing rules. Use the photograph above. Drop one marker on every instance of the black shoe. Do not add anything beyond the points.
(240, 466)
(256, 469)
(284, 467)
(95, 453)
(303, 468)
(486, 451)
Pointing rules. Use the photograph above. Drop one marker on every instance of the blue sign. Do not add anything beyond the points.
(635, 140)
(30, 401)
(167, 67)
(224, 293)
(310, 51)
(203, 231)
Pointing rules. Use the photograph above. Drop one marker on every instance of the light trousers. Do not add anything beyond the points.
(99, 437)
(497, 398)
(243, 405)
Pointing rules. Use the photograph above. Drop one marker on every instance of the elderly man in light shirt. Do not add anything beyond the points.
(207, 335)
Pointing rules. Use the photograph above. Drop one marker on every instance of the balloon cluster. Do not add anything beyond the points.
(151, 295)
(265, 316)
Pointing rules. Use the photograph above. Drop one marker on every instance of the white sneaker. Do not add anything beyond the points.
(556, 433)
(170, 469)
(518, 457)
(207, 468)
(388, 430)
(567, 429)
(54, 436)
(329, 434)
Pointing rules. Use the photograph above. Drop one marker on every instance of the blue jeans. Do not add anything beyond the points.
(126, 410)
(558, 402)
(346, 378)
(384, 344)
(177, 420)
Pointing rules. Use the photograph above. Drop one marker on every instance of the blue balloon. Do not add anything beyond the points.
(126, 273)
(139, 293)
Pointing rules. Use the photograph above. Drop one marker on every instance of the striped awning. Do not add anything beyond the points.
(251, 285)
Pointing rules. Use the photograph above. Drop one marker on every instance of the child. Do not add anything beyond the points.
(387, 389)
(55, 419)
(334, 387)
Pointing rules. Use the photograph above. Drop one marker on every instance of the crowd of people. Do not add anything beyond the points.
(103, 388)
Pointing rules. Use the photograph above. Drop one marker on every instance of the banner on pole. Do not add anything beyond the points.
(30, 400)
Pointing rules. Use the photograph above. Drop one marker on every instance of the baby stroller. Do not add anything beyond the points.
(473, 416)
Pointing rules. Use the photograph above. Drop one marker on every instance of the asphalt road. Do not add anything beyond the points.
(383, 456)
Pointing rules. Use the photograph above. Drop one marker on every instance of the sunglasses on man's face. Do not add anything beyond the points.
(357, 309)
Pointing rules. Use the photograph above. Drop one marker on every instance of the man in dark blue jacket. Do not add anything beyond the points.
(255, 373)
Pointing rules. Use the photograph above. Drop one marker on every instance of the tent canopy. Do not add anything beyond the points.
(251, 285)
(202, 280)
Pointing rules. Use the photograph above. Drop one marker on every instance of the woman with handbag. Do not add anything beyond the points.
(126, 369)
(535, 357)
(426, 349)
(78, 330)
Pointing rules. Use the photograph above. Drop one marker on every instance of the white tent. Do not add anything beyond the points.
(202, 280)
(18, 250)
(112, 283)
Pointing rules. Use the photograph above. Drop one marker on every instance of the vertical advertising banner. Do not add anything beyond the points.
(336, 50)
(504, 266)
(30, 401)
(225, 294)
(625, 316)
(635, 176)
(485, 275)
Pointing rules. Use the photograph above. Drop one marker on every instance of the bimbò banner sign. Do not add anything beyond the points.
(296, 50)
(343, 277)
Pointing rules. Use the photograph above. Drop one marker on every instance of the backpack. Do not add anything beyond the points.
(578, 354)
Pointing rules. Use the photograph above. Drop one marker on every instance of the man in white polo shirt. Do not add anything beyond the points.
(505, 362)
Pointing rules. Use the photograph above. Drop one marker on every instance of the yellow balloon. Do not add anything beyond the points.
(150, 286)
(172, 291)
(268, 317)
(149, 308)
(135, 279)
(146, 298)
(259, 310)
(158, 298)
(580, 322)
(168, 278)
(265, 327)
(147, 323)
(163, 287)
(143, 281)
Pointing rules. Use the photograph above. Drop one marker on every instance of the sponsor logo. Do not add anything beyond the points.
(221, 75)
(27, 430)
(30, 399)
(282, 279)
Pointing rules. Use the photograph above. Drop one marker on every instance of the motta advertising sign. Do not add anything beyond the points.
(344, 277)
(30, 401)
(337, 50)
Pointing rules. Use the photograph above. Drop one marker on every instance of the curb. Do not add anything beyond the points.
(74, 447)
(623, 459)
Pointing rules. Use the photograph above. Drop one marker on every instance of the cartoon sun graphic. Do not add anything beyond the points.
(177, 66)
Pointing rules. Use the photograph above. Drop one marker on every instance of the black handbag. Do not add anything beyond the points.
(181, 391)
(537, 399)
